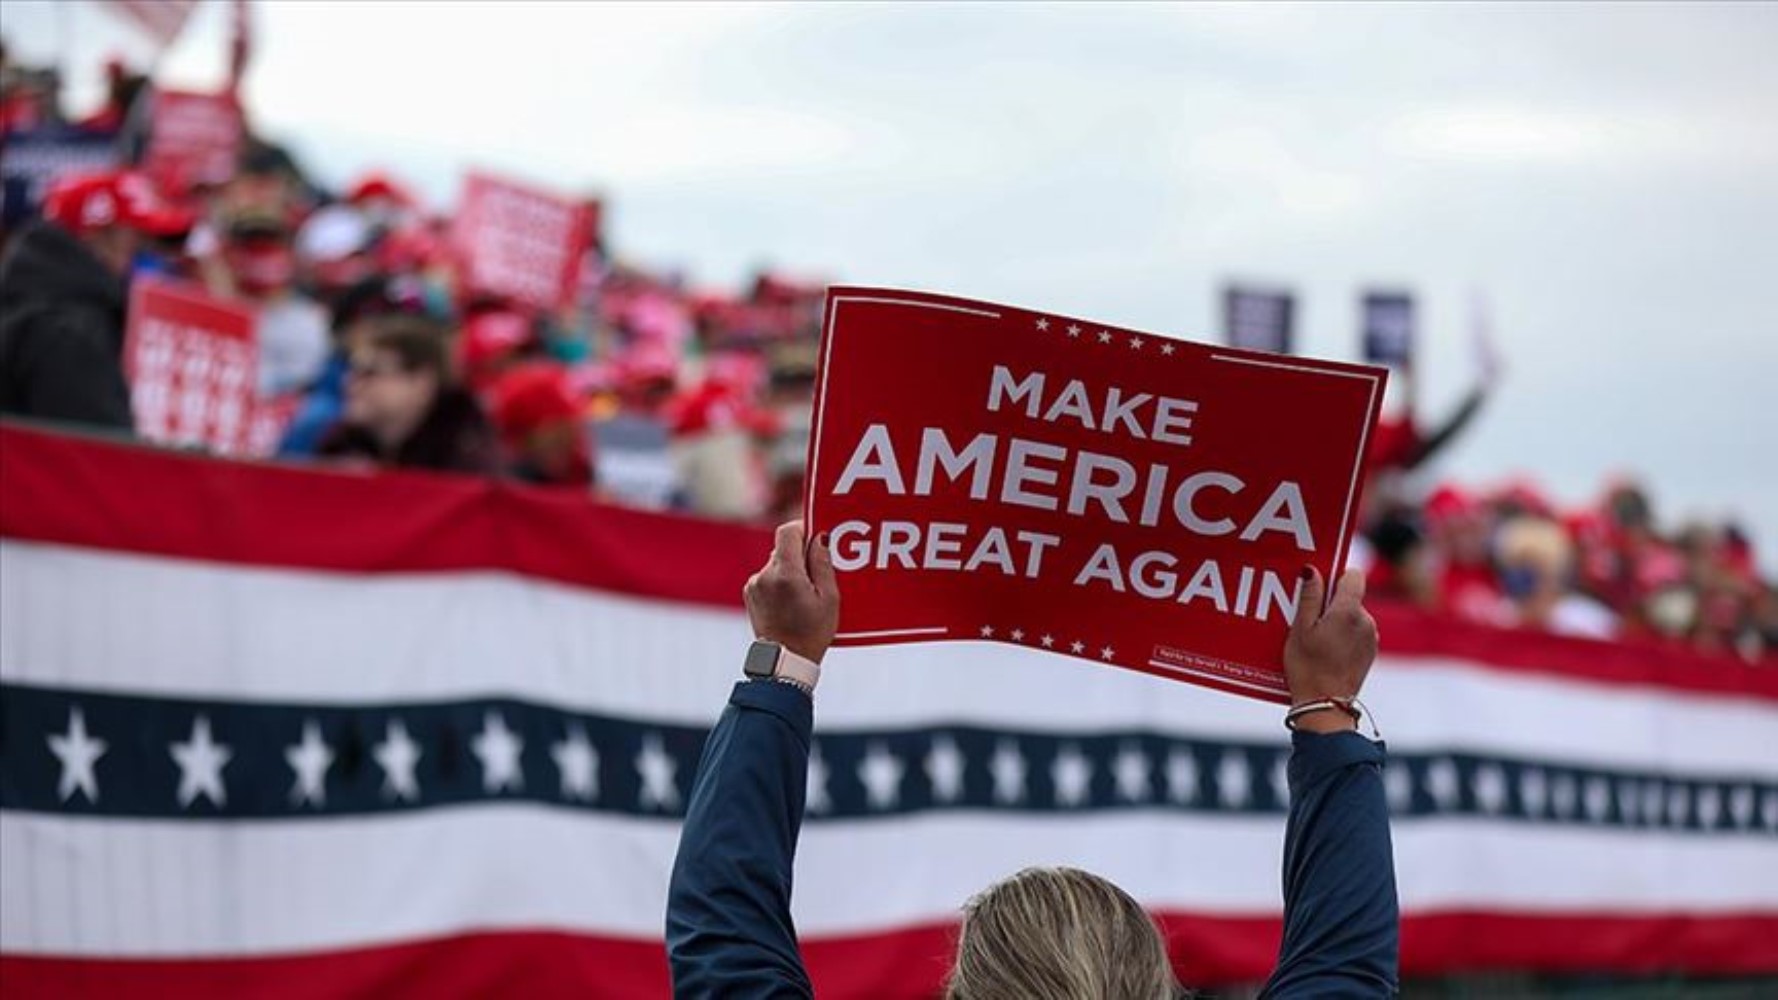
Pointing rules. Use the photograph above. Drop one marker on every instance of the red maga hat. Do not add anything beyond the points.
(81, 203)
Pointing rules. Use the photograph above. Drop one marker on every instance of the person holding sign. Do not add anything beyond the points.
(1043, 932)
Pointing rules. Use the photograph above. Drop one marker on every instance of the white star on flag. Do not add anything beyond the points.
(1679, 805)
(987, 631)
(1008, 767)
(1182, 777)
(1489, 786)
(1167, 349)
(1106, 652)
(816, 798)
(1562, 795)
(1770, 810)
(1597, 799)
(1018, 635)
(1104, 336)
(1232, 778)
(1281, 778)
(1398, 785)
(1441, 783)
(654, 765)
(397, 755)
(1741, 805)
(310, 760)
(1049, 642)
(1131, 771)
(1077, 646)
(578, 764)
(880, 772)
(944, 768)
(1654, 801)
(78, 752)
(1629, 797)
(1136, 343)
(1072, 773)
(1043, 323)
(499, 750)
(1533, 790)
(1709, 806)
(201, 760)
(1074, 329)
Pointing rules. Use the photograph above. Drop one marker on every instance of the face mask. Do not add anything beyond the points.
(262, 269)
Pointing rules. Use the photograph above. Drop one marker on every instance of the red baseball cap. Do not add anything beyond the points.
(81, 203)
(533, 396)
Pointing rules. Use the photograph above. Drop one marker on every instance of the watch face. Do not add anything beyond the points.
(762, 659)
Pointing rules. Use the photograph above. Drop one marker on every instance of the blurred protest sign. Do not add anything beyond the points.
(192, 362)
(161, 20)
(1388, 319)
(1257, 319)
(520, 243)
(193, 138)
(986, 472)
(30, 160)
(635, 463)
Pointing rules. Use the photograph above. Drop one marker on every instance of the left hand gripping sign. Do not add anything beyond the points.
(991, 473)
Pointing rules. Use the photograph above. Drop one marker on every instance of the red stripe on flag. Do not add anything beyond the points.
(99, 494)
(541, 965)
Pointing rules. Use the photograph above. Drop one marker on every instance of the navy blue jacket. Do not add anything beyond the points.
(729, 932)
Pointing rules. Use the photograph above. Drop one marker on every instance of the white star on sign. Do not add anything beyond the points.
(987, 631)
(310, 759)
(1104, 336)
(1167, 349)
(1074, 329)
(1398, 785)
(78, 752)
(944, 768)
(1232, 779)
(1018, 635)
(1441, 783)
(1182, 777)
(499, 750)
(1071, 773)
(880, 772)
(1106, 652)
(1077, 647)
(1049, 642)
(1131, 770)
(397, 755)
(1533, 790)
(578, 764)
(1008, 767)
(654, 765)
(201, 760)
(1489, 785)
(1136, 343)
(1043, 323)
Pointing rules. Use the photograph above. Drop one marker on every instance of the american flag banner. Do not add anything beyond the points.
(275, 732)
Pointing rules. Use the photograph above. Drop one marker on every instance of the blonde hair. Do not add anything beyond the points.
(1062, 933)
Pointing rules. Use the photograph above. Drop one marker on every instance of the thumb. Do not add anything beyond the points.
(821, 572)
(1308, 602)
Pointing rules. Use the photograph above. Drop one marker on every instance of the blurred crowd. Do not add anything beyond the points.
(650, 391)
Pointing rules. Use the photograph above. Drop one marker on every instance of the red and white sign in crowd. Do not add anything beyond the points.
(194, 138)
(192, 362)
(988, 472)
(520, 243)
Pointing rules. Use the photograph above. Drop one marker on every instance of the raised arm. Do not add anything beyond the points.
(1341, 919)
(729, 931)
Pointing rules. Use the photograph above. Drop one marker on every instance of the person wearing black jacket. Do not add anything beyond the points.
(1044, 933)
(62, 300)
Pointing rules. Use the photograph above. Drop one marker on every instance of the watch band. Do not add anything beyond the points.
(796, 668)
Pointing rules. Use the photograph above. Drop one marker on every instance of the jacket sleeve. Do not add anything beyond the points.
(729, 932)
(1341, 920)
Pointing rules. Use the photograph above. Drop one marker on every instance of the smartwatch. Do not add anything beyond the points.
(767, 660)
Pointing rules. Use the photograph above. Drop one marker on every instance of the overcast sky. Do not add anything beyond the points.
(1605, 176)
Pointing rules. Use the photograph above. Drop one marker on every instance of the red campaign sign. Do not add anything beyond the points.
(521, 243)
(192, 362)
(992, 473)
(193, 138)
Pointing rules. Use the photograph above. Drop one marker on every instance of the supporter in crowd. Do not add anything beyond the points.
(353, 314)
(542, 423)
(292, 328)
(404, 408)
(63, 298)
